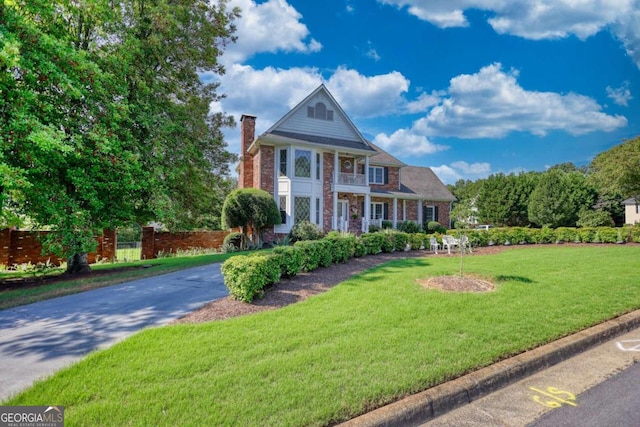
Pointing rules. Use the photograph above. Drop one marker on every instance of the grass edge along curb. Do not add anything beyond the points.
(436, 401)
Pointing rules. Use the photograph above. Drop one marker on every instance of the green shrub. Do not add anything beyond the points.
(290, 259)
(625, 234)
(587, 234)
(608, 234)
(387, 225)
(360, 249)
(478, 237)
(635, 234)
(315, 253)
(344, 246)
(518, 235)
(566, 234)
(233, 238)
(387, 242)
(408, 227)
(305, 230)
(597, 218)
(326, 253)
(435, 227)
(373, 242)
(399, 240)
(246, 276)
(418, 240)
(497, 236)
(310, 254)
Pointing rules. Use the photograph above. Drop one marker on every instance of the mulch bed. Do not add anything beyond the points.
(304, 285)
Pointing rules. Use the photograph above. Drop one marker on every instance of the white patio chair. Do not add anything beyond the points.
(434, 245)
(448, 242)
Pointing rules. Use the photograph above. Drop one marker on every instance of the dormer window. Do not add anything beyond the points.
(319, 111)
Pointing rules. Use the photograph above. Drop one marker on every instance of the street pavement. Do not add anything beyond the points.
(596, 388)
(38, 339)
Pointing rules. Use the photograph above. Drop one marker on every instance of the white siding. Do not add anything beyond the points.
(337, 128)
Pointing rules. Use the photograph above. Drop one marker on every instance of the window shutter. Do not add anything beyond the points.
(386, 211)
(435, 213)
(362, 210)
(386, 175)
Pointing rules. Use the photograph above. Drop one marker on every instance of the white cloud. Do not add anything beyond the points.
(539, 19)
(424, 102)
(404, 143)
(271, 26)
(373, 54)
(621, 95)
(368, 96)
(270, 93)
(449, 174)
(491, 104)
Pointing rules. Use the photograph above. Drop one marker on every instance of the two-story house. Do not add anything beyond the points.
(320, 168)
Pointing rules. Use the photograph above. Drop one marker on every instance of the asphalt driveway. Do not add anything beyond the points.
(38, 339)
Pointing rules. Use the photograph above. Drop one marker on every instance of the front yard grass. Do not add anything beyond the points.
(368, 341)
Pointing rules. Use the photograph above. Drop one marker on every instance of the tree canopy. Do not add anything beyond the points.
(105, 119)
(617, 170)
(250, 209)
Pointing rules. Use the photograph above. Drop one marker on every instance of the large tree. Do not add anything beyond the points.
(250, 209)
(616, 172)
(105, 119)
(559, 197)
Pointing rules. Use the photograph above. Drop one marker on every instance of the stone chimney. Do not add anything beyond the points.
(247, 135)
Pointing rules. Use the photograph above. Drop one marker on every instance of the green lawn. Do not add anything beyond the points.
(366, 342)
(18, 297)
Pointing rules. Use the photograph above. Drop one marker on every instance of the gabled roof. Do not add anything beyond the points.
(422, 181)
(630, 201)
(383, 158)
(354, 139)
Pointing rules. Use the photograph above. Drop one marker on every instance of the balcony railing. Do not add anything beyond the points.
(352, 179)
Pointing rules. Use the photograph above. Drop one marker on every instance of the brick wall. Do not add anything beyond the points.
(247, 134)
(22, 247)
(154, 242)
(327, 194)
(266, 169)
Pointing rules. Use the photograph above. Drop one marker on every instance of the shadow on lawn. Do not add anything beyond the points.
(521, 279)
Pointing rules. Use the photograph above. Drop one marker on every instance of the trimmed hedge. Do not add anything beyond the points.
(247, 276)
(290, 260)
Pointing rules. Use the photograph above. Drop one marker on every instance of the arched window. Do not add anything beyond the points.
(321, 111)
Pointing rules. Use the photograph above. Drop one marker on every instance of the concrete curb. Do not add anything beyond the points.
(426, 405)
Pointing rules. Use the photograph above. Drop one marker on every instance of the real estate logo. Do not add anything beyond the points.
(31, 416)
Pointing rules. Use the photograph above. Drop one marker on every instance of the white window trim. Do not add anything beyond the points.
(373, 175)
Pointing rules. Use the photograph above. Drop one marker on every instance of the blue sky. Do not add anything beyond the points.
(466, 87)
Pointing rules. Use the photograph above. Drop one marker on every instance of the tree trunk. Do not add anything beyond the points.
(78, 263)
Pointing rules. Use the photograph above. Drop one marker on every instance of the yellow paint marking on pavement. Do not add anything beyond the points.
(556, 396)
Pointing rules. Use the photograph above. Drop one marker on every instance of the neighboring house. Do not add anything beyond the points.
(320, 168)
(631, 211)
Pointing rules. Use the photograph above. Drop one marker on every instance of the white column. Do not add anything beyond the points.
(336, 171)
(395, 212)
(366, 172)
(366, 213)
